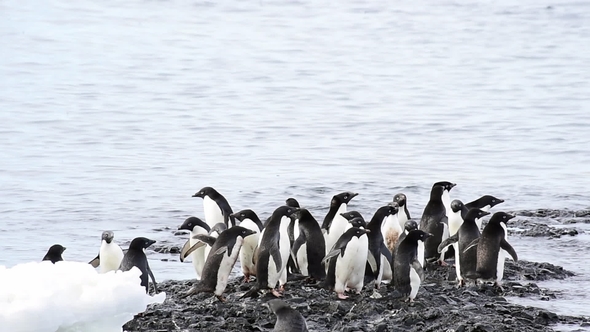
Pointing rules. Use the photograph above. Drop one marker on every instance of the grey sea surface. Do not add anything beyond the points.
(113, 113)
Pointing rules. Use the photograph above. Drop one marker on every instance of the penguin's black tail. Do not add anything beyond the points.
(252, 293)
(194, 290)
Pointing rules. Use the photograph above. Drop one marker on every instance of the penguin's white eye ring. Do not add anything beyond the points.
(243, 215)
(346, 197)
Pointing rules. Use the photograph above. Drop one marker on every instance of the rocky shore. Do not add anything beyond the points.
(439, 306)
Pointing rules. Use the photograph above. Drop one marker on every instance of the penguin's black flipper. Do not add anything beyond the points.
(186, 250)
(153, 279)
(95, 262)
(506, 246)
(447, 242)
(296, 245)
(385, 252)
(372, 262)
(418, 268)
(471, 245)
(276, 255)
(210, 240)
(335, 252)
(252, 293)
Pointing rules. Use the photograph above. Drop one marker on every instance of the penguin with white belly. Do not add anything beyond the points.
(249, 220)
(273, 253)
(346, 262)
(110, 254)
(434, 221)
(334, 224)
(309, 247)
(216, 207)
(403, 215)
(408, 272)
(195, 226)
(379, 255)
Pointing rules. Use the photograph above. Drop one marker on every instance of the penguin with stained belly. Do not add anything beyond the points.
(216, 207)
(465, 261)
(346, 262)
(334, 224)
(249, 220)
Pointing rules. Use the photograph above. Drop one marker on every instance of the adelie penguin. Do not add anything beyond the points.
(408, 272)
(346, 262)
(273, 252)
(434, 221)
(110, 254)
(379, 255)
(221, 260)
(135, 256)
(288, 319)
(485, 203)
(248, 219)
(465, 260)
(490, 264)
(403, 215)
(54, 253)
(334, 224)
(195, 226)
(309, 247)
(293, 232)
(216, 207)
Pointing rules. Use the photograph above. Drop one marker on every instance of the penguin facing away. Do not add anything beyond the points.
(195, 226)
(309, 248)
(135, 256)
(273, 252)
(216, 207)
(408, 273)
(465, 261)
(288, 319)
(248, 219)
(490, 264)
(334, 224)
(434, 221)
(110, 254)
(346, 262)
(54, 253)
(221, 260)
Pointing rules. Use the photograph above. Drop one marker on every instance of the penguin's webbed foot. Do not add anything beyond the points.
(282, 288)
(246, 278)
(276, 293)
(342, 296)
(460, 283)
(442, 263)
(499, 286)
(221, 298)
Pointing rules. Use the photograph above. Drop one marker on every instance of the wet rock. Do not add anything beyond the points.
(440, 306)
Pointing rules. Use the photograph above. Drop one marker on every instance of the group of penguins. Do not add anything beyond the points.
(343, 253)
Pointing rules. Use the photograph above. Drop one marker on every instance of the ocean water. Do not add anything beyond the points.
(113, 113)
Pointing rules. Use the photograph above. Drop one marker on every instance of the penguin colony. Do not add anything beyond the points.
(343, 253)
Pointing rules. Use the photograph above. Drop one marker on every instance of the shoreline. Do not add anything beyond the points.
(439, 306)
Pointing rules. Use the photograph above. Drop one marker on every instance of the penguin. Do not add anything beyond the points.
(293, 232)
(392, 229)
(292, 202)
(195, 226)
(54, 253)
(403, 215)
(221, 260)
(377, 247)
(408, 272)
(409, 226)
(484, 203)
(334, 224)
(216, 207)
(288, 319)
(350, 215)
(455, 219)
(110, 254)
(309, 248)
(135, 256)
(249, 220)
(446, 196)
(465, 261)
(273, 252)
(434, 221)
(490, 264)
(346, 262)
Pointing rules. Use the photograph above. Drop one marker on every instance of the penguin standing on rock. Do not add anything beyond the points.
(135, 256)
(378, 252)
(248, 219)
(490, 264)
(110, 254)
(195, 226)
(293, 232)
(216, 207)
(408, 272)
(273, 252)
(465, 260)
(221, 260)
(54, 253)
(346, 262)
(434, 221)
(309, 247)
(334, 224)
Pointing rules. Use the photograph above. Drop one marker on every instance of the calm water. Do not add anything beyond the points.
(113, 113)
